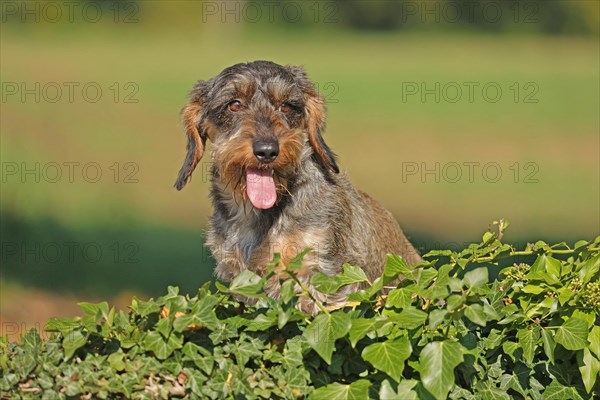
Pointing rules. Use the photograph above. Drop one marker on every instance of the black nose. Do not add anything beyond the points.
(266, 150)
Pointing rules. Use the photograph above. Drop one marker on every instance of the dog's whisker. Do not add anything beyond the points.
(229, 183)
(285, 189)
(235, 197)
(239, 181)
(244, 199)
(288, 192)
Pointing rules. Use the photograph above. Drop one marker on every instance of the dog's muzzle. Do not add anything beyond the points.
(266, 150)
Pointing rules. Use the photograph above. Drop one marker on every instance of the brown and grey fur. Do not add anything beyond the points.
(316, 206)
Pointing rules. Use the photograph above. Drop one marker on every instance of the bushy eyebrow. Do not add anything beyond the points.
(243, 88)
(282, 89)
(276, 88)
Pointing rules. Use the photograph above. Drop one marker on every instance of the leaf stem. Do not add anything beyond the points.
(528, 253)
(447, 331)
(306, 291)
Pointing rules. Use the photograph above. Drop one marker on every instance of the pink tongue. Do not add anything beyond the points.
(260, 188)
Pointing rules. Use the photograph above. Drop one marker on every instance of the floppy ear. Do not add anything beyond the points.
(191, 117)
(315, 116)
(315, 120)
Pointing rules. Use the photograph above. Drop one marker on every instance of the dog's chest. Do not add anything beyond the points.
(253, 239)
(251, 234)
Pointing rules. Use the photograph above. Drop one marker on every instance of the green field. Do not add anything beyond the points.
(376, 128)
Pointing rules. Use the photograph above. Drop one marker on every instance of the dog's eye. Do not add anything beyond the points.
(285, 108)
(235, 106)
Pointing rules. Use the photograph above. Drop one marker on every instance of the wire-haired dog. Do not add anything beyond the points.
(276, 187)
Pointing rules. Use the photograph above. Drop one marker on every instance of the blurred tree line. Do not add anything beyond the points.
(558, 17)
(541, 16)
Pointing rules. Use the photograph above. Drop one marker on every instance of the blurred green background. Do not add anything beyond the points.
(451, 113)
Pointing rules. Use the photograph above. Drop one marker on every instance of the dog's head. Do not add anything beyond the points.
(259, 117)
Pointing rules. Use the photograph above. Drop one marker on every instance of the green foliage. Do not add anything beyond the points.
(445, 331)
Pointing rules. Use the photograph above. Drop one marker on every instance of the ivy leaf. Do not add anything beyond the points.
(99, 310)
(549, 344)
(201, 315)
(572, 334)
(72, 342)
(476, 278)
(589, 269)
(62, 325)
(394, 267)
(287, 290)
(487, 390)
(545, 269)
(331, 284)
(404, 391)
(358, 390)
(399, 298)
(325, 283)
(553, 266)
(117, 361)
(438, 361)
(201, 357)
(594, 339)
(389, 356)
(195, 381)
(589, 317)
(528, 339)
(510, 348)
(283, 315)
(454, 302)
(511, 381)
(489, 311)
(262, 322)
(541, 245)
(426, 277)
(163, 326)
(324, 330)
(409, 318)
(493, 340)
(589, 366)
(160, 346)
(247, 348)
(248, 284)
(443, 253)
(352, 274)
(172, 294)
(436, 317)
(144, 308)
(296, 262)
(361, 327)
(557, 391)
(475, 313)
(487, 236)
(533, 289)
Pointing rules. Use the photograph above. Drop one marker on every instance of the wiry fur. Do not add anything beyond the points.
(316, 206)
